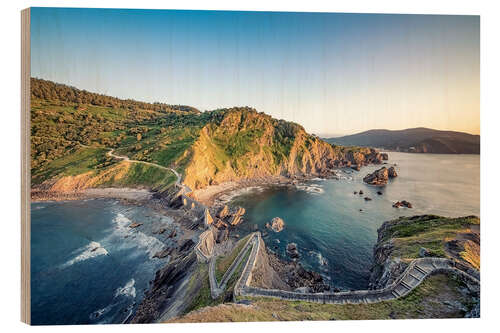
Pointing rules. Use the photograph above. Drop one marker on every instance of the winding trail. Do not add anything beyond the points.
(416, 272)
(126, 158)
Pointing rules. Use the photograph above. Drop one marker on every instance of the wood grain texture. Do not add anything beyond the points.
(25, 167)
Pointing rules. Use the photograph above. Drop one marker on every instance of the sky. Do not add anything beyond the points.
(333, 73)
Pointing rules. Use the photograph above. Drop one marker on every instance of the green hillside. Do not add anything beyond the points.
(72, 130)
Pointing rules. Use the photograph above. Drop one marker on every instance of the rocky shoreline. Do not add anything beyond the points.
(161, 300)
(133, 194)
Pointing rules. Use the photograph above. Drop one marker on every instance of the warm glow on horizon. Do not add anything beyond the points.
(335, 74)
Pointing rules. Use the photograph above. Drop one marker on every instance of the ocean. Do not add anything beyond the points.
(335, 230)
(87, 265)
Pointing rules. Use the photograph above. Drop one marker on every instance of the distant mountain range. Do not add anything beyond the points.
(418, 140)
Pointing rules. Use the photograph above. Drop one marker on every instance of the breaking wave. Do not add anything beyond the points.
(312, 188)
(92, 250)
(127, 290)
(151, 244)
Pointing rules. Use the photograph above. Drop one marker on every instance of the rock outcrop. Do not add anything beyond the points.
(165, 290)
(398, 238)
(241, 143)
(295, 276)
(236, 217)
(223, 212)
(277, 224)
(292, 250)
(207, 242)
(392, 172)
(380, 177)
(402, 203)
(207, 218)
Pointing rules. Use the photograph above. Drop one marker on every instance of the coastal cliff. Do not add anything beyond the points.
(443, 293)
(84, 141)
(406, 238)
(241, 143)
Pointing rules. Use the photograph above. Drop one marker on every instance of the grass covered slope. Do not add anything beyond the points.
(431, 299)
(207, 148)
(441, 236)
(88, 167)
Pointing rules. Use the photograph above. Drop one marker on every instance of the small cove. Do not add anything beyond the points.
(335, 230)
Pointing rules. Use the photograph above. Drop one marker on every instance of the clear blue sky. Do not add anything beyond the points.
(332, 73)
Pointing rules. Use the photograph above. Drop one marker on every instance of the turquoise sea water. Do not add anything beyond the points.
(87, 265)
(334, 237)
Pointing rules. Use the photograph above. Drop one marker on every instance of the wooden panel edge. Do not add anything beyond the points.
(25, 167)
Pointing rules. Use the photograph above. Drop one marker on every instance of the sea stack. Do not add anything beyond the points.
(277, 224)
(381, 176)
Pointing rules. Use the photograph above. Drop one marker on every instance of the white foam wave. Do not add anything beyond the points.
(314, 189)
(92, 250)
(99, 313)
(151, 244)
(227, 197)
(127, 290)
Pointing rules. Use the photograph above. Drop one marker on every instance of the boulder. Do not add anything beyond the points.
(172, 234)
(292, 250)
(277, 224)
(407, 204)
(402, 203)
(384, 156)
(378, 177)
(222, 235)
(236, 217)
(223, 212)
(207, 218)
(368, 199)
(134, 225)
(219, 224)
(356, 167)
(360, 192)
(379, 192)
(163, 253)
(392, 172)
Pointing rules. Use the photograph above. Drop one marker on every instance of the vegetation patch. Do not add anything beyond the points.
(223, 262)
(431, 299)
(204, 297)
(432, 232)
(79, 160)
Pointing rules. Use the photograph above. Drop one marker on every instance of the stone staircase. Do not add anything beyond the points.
(416, 272)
